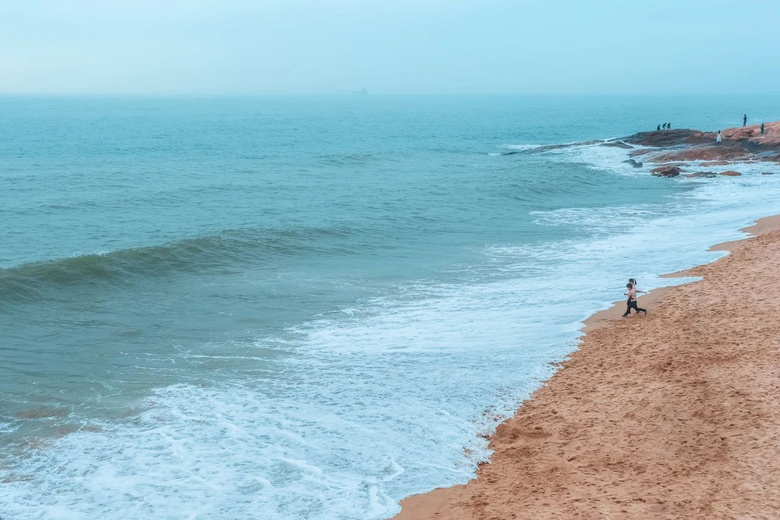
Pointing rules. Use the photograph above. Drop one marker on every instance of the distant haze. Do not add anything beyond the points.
(214, 47)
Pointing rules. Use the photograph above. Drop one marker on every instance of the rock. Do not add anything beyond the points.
(666, 171)
(701, 153)
(618, 144)
(715, 163)
(707, 175)
(731, 173)
(548, 147)
(632, 162)
(675, 146)
(669, 138)
(739, 144)
(767, 173)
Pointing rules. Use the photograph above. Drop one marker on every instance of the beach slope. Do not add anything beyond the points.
(671, 415)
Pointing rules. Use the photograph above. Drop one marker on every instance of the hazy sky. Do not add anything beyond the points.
(389, 46)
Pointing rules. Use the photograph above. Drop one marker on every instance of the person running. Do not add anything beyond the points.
(632, 281)
(717, 139)
(744, 121)
(631, 302)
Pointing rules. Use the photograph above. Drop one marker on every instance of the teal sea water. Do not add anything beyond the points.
(310, 308)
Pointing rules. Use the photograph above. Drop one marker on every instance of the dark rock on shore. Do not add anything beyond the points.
(668, 138)
(549, 147)
(666, 171)
(634, 163)
(706, 175)
(731, 173)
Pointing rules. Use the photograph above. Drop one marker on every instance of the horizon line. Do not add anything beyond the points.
(362, 95)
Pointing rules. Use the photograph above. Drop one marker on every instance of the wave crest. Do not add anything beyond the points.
(199, 254)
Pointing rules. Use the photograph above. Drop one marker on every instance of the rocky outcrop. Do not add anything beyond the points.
(732, 153)
(634, 163)
(738, 144)
(674, 149)
(715, 163)
(706, 175)
(668, 138)
(666, 171)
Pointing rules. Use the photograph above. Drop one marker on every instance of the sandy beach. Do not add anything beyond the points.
(670, 415)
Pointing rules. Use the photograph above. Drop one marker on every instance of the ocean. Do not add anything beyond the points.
(312, 307)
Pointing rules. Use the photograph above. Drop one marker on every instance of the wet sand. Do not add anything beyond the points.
(671, 415)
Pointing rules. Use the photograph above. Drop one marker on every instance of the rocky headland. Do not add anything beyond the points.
(745, 144)
(669, 153)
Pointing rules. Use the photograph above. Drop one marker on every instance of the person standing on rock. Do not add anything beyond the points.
(658, 129)
(762, 128)
(744, 121)
(668, 126)
(631, 302)
(718, 138)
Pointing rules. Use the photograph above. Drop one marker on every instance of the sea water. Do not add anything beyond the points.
(311, 308)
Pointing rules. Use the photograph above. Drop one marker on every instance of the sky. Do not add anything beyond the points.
(248, 47)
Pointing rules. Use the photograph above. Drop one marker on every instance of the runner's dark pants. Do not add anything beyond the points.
(631, 304)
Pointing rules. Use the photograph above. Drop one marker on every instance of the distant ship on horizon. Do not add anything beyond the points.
(361, 92)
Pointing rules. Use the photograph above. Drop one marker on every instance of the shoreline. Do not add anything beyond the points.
(580, 445)
(602, 318)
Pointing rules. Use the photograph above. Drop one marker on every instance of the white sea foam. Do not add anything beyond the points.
(599, 157)
(522, 147)
(369, 409)
(607, 219)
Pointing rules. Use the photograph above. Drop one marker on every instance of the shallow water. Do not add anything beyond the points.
(309, 308)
